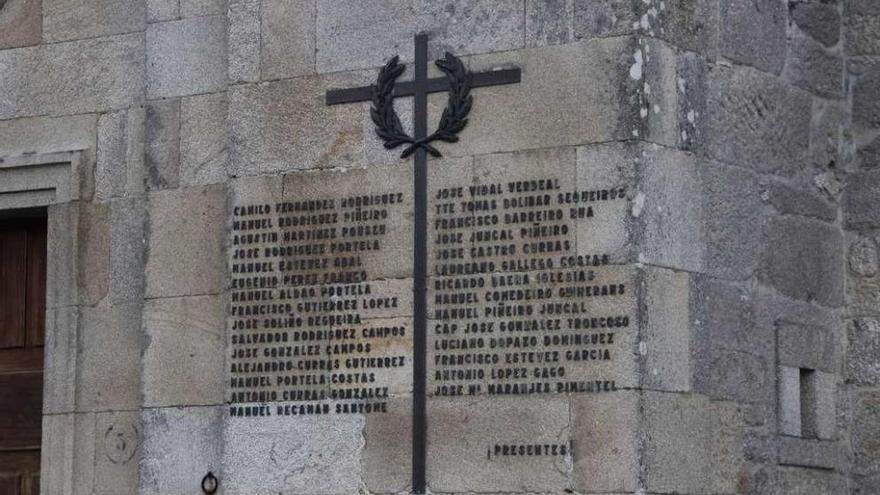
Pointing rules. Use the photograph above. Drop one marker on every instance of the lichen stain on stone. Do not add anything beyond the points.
(635, 70)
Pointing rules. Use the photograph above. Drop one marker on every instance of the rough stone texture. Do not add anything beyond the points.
(93, 265)
(198, 8)
(184, 337)
(108, 358)
(862, 21)
(186, 57)
(76, 19)
(791, 200)
(386, 461)
(602, 19)
(805, 452)
(162, 144)
(323, 451)
(756, 120)
(76, 77)
(463, 428)
(288, 39)
(866, 439)
(804, 260)
(119, 169)
(668, 357)
(861, 200)
(820, 20)
(547, 22)
(866, 96)
(810, 481)
(61, 241)
(790, 413)
(59, 383)
(128, 223)
(352, 34)
(695, 447)
(181, 445)
(118, 440)
(753, 33)
(827, 134)
(864, 259)
(862, 367)
(162, 10)
(244, 40)
(604, 442)
(190, 264)
(814, 68)
(688, 24)
(807, 346)
(21, 23)
(204, 153)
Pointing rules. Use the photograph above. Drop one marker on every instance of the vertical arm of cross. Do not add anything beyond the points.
(420, 262)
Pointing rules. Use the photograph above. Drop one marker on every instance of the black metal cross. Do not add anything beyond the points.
(419, 88)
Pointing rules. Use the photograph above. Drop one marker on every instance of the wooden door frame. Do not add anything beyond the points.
(51, 182)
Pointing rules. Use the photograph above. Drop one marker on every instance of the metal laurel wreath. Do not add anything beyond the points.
(454, 118)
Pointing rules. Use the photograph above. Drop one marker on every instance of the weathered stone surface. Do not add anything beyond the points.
(63, 78)
(290, 454)
(61, 241)
(204, 153)
(191, 264)
(128, 223)
(756, 121)
(861, 200)
(69, 20)
(464, 433)
(605, 443)
(599, 19)
(286, 125)
(162, 10)
(866, 97)
(198, 8)
(862, 25)
(68, 453)
(386, 459)
(355, 34)
(790, 200)
(59, 383)
(181, 445)
(862, 366)
(753, 33)
(810, 481)
(184, 337)
(813, 67)
(818, 19)
(21, 23)
(118, 440)
(667, 341)
(826, 135)
(109, 344)
(803, 259)
(119, 170)
(864, 259)
(162, 144)
(695, 445)
(547, 22)
(288, 39)
(813, 453)
(807, 346)
(688, 24)
(186, 57)
(818, 407)
(93, 241)
(866, 434)
(244, 40)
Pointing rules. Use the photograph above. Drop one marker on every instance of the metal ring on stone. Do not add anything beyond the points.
(210, 483)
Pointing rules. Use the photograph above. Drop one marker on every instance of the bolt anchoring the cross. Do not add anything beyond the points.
(457, 83)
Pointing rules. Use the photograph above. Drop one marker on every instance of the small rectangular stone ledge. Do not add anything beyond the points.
(28, 181)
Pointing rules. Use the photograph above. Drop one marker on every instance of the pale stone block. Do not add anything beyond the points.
(181, 445)
(93, 241)
(118, 447)
(386, 460)
(61, 262)
(789, 397)
(198, 8)
(668, 346)
(185, 341)
(611, 168)
(288, 38)
(605, 442)
(59, 78)
(59, 383)
(204, 137)
(119, 170)
(807, 452)
(820, 398)
(109, 344)
(68, 454)
(186, 57)
(128, 223)
(21, 23)
(162, 10)
(318, 455)
(194, 263)
(76, 19)
(162, 144)
(286, 125)
(807, 346)
(244, 40)
(467, 436)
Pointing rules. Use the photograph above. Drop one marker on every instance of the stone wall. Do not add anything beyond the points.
(748, 132)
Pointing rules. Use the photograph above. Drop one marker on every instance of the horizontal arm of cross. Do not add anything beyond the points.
(436, 85)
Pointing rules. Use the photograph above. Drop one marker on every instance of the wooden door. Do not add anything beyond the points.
(22, 326)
